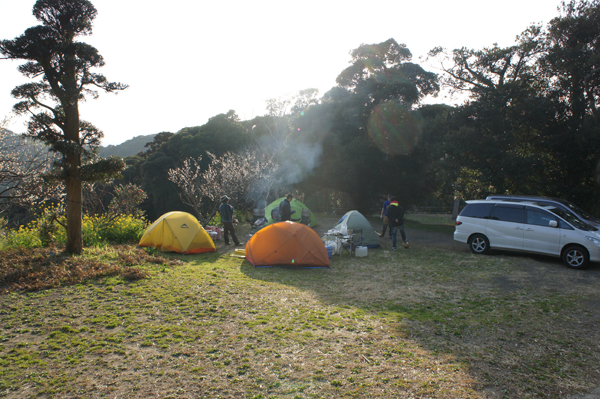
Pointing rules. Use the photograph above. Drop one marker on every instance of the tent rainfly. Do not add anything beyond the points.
(287, 244)
(355, 220)
(177, 232)
(295, 205)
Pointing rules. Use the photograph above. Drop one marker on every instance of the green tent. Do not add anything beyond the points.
(356, 221)
(297, 206)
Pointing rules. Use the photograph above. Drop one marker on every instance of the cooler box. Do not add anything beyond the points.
(332, 245)
(361, 251)
(329, 249)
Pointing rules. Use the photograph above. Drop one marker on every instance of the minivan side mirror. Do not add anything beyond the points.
(553, 223)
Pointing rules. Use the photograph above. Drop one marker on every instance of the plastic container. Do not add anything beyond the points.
(361, 251)
(214, 229)
(329, 249)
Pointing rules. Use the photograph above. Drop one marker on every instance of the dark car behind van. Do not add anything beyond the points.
(582, 215)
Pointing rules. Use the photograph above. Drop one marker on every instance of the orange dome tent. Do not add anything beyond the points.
(287, 244)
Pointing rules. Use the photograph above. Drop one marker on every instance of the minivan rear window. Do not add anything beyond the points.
(481, 211)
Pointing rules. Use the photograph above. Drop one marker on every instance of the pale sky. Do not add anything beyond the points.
(189, 60)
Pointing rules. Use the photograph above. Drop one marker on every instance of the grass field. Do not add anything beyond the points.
(417, 323)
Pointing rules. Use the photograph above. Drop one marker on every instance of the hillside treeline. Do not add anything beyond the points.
(530, 126)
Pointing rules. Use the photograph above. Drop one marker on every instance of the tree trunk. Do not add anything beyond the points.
(74, 217)
(73, 182)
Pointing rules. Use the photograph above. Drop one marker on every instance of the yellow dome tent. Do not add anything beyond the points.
(177, 232)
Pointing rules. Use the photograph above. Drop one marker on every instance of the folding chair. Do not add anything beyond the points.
(358, 238)
(351, 241)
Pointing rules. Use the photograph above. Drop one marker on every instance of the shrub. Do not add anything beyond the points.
(124, 229)
(97, 231)
(25, 237)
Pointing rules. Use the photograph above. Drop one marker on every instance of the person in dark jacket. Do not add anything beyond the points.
(285, 209)
(395, 215)
(384, 216)
(227, 218)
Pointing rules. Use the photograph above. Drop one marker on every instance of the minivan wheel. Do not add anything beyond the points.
(576, 257)
(479, 244)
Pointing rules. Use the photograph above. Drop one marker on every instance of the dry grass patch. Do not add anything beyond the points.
(35, 269)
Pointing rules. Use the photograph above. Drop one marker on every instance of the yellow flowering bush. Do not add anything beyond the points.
(25, 237)
(97, 231)
(124, 223)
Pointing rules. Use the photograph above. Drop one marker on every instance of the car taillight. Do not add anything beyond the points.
(458, 223)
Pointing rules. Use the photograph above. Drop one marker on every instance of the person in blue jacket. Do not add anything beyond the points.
(228, 219)
(384, 217)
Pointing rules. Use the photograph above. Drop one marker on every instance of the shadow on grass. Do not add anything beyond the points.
(509, 318)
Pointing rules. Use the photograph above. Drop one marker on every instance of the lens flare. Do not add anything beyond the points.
(394, 129)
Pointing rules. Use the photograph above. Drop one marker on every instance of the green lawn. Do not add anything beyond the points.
(421, 322)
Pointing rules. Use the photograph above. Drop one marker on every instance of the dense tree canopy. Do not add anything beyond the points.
(531, 124)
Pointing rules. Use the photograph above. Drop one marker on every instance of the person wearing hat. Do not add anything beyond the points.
(396, 217)
(228, 219)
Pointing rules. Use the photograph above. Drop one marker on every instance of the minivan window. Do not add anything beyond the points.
(569, 217)
(481, 211)
(539, 218)
(509, 214)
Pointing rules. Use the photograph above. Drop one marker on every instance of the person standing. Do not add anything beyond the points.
(395, 215)
(285, 209)
(228, 219)
(384, 216)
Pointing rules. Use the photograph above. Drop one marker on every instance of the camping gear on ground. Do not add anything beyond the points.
(329, 249)
(333, 244)
(354, 220)
(305, 217)
(258, 220)
(361, 251)
(214, 232)
(332, 239)
(239, 253)
(350, 241)
(273, 216)
(257, 225)
(288, 244)
(177, 232)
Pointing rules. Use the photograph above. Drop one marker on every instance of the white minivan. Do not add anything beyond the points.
(530, 227)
